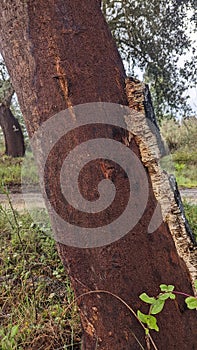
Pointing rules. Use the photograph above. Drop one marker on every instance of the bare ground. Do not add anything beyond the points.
(32, 200)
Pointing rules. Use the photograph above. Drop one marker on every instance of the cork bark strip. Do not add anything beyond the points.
(150, 153)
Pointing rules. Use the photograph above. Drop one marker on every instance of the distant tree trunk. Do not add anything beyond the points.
(13, 136)
(66, 56)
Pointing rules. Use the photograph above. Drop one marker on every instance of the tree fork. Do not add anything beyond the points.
(60, 55)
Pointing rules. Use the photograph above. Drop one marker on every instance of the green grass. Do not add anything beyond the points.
(185, 170)
(191, 214)
(180, 138)
(12, 168)
(185, 164)
(34, 290)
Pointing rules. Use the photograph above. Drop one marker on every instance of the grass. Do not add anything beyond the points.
(191, 214)
(180, 139)
(34, 290)
(10, 170)
(185, 170)
(13, 171)
(185, 164)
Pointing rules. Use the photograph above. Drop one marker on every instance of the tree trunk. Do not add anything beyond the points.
(66, 56)
(13, 136)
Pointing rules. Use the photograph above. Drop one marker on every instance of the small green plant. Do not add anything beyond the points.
(157, 304)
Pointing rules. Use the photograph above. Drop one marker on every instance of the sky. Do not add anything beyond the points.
(193, 36)
(193, 98)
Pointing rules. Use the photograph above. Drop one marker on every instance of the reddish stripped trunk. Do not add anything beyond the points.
(65, 55)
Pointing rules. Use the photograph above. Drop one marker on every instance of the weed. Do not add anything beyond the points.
(157, 304)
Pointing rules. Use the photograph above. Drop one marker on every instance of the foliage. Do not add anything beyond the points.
(180, 135)
(152, 36)
(5, 83)
(157, 304)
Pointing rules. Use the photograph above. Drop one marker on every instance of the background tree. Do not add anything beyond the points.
(13, 135)
(66, 56)
(152, 36)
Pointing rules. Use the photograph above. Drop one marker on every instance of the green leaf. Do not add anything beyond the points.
(164, 296)
(167, 295)
(152, 323)
(170, 288)
(172, 296)
(195, 284)
(150, 320)
(142, 317)
(149, 300)
(191, 302)
(165, 288)
(157, 306)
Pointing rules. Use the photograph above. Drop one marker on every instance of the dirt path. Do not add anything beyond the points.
(35, 200)
(19, 200)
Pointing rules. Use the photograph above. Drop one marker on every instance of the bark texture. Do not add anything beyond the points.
(59, 55)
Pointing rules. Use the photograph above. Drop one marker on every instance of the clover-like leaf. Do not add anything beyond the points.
(170, 288)
(172, 296)
(166, 288)
(191, 302)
